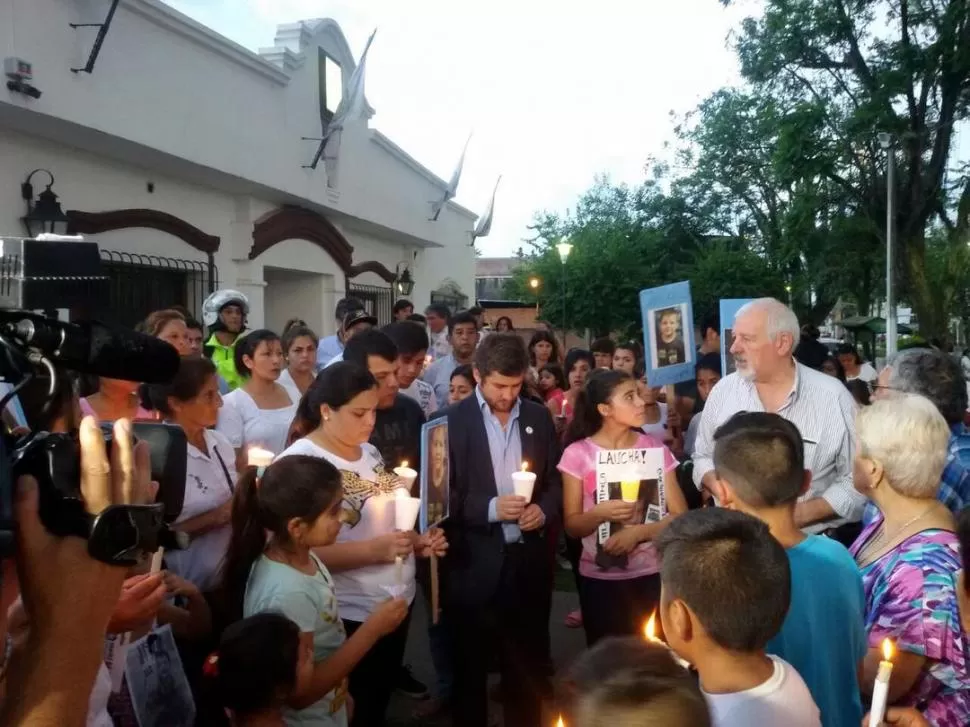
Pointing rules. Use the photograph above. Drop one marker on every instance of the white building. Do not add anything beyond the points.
(181, 154)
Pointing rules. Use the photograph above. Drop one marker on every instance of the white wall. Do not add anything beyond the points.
(172, 86)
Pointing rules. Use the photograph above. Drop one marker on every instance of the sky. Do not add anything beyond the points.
(554, 92)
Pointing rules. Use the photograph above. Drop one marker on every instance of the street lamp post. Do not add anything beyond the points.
(888, 144)
(564, 249)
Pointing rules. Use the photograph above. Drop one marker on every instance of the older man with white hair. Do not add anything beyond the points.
(768, 378)
(938, 377)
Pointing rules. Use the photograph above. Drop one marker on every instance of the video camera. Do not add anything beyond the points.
(37, 354)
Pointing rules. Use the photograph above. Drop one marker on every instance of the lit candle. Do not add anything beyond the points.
(650, 634)
(880, 689)
(562, 409)
(406, 475)
(559, 722)
(524, 482)
(260, 459)
(630, 490)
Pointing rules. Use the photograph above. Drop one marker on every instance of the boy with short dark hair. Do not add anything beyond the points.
(630, 681)
(726, 587)
(412, 349)
(759, 465)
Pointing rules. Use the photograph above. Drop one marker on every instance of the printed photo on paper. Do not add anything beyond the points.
(435, 474)
(634, 475)
(668, 334)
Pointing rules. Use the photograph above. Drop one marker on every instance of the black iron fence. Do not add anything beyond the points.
(377, 300)
(139, 284)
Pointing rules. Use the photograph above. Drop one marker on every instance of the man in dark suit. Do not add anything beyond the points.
(498, 569)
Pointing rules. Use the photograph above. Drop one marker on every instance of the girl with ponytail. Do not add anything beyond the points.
(337, 416)
(297, 502)
(620, 580)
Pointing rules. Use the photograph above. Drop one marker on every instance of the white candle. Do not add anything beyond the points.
(562, 409)
(524, 482)
(880, 689)
(399, 569)
(157, 557)
(260, 459)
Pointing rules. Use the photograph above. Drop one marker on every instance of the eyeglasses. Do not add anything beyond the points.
(873, 387)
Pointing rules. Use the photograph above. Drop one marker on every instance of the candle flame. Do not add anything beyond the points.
(404, 463)
(525, 466)
(258, 457)
(887, 649)
(650, 628)
(559, 722)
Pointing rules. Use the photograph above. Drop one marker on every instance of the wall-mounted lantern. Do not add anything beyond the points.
(43, 214)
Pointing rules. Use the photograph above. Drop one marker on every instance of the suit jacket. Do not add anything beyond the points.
(476, 546)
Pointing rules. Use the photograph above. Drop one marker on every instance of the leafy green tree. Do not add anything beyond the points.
(844, 70)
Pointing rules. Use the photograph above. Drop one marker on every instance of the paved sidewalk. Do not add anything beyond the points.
(566, 644)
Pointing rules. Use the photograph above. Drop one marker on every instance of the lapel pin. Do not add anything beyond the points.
(528, 430)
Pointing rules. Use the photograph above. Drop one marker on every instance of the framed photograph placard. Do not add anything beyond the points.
(668, 334)
(435, 474)
(729, 308)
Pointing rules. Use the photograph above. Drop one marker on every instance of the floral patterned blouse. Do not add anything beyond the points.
(911, 598)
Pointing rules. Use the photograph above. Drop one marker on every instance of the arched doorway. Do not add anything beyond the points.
(299, 223)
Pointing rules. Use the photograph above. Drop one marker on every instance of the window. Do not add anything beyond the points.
(331, 87)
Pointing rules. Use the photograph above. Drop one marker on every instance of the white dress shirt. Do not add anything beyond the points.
(824, 412)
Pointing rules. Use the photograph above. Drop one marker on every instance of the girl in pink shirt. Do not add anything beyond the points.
(620, 584)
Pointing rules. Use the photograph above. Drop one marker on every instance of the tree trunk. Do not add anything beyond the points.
(927, 303)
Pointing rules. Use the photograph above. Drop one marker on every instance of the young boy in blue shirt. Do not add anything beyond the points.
(760, 470)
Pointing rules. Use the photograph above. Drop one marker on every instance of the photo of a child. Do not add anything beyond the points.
(669, 336)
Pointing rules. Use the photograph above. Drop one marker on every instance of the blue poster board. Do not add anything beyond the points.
(435, 473)
(729, 309)
(668, 334)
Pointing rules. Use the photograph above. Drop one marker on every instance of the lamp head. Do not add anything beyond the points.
(564, 249)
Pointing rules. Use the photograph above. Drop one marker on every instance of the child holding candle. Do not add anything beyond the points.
(614, 601)
(759, 461)
(298, 501)
(340, 409)
(726, 591)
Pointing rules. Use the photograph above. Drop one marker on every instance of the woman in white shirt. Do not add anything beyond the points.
(300, 352)
(192, 401)
(854, 366)
(339, 411)
(258, 413)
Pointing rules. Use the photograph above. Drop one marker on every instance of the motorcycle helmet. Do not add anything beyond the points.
(217, 301)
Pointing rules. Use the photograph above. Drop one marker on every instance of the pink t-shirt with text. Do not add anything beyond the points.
(579, 461)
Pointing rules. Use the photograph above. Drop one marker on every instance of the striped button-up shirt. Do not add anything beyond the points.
(824, 412)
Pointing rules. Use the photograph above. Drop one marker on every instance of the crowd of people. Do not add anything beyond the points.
(806, 510)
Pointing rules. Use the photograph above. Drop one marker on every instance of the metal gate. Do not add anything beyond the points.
(139, 284)
(377, 300)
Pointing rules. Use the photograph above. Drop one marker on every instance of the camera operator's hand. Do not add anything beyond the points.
(68, 596)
